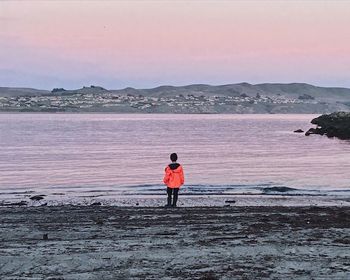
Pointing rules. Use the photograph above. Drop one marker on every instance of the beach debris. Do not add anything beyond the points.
(37, 197)
(230, 201)
(299, 131)
(137, 204)
(344, 240)
(209, 276)
(45, 236)
(96, 204)
(98, 221)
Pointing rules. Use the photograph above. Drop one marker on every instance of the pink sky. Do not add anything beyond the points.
(114, 44)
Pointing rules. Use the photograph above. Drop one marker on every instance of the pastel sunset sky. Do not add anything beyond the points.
(114, 44)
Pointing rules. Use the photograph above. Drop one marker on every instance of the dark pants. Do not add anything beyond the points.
(171, 191)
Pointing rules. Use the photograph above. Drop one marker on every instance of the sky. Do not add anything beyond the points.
(143, 44)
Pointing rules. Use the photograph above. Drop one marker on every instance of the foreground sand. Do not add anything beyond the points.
(184, 243)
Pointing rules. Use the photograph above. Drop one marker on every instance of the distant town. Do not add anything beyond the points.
(97, 99)
(103, 101)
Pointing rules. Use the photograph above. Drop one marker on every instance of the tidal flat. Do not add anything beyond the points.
(106, 242)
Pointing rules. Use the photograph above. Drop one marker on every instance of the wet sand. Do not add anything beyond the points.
(105, 242)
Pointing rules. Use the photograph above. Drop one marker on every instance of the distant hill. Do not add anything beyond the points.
(269, 89)
(13, 91)
(196, 98)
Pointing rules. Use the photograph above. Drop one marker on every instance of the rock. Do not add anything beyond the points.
(230, 201)
(37, 197)
(342, 240)
(311, 131)
(45, 236)
(299, 131)
(98, 221)
(333, 125)
(96, 204)
(209, 276)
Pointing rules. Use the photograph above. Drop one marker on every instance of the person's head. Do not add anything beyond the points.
(173, 157)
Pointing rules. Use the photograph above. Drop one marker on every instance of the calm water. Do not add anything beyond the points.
(106, 154)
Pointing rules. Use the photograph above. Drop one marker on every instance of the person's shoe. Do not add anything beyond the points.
(174, 205)
(167, 205)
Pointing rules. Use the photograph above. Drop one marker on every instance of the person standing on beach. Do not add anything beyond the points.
(174, 179)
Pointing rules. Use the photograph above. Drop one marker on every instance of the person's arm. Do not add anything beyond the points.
(182, 177)
(166, 176)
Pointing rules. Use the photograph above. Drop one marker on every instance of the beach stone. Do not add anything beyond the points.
(230, 201)
(37, 197)
(209, 276)
(299, 131)
(96, 204)
(45, 236)
(99, 222)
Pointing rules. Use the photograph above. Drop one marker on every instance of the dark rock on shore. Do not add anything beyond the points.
(37, 197)
(96, 204)
(313, 131)
(333, 125)
(299, 131)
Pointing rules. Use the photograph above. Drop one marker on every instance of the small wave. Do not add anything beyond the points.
(202, 189)
(190, 190)
(237, 189)
(279, 189)
(16, 192)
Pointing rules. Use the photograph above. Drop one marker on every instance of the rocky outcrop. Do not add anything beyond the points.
(332, 125)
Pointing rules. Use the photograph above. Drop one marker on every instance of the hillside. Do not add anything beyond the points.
(197, 98)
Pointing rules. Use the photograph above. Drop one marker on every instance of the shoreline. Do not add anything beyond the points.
(155, 113)
(106, 242)
(185, 200)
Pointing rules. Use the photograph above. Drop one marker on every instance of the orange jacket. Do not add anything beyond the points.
(174, 176)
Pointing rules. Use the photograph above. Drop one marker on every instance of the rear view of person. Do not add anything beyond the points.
(174, 179)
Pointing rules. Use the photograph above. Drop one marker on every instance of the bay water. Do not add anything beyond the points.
(97, 155)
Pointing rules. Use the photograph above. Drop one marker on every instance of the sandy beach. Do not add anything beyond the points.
(105, 242)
